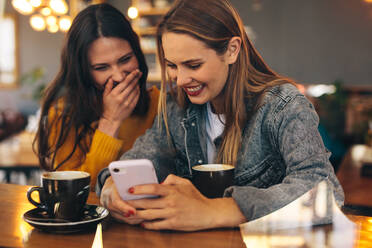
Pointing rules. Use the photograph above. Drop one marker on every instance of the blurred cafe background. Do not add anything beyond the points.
(325, 45)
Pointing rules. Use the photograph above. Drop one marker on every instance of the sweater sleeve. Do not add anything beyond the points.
(102, 150)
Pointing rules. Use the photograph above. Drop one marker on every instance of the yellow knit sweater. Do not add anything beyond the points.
(103, 148)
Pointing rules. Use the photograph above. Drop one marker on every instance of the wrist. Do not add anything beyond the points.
(109, 127)
(103, 177)
(227, 214)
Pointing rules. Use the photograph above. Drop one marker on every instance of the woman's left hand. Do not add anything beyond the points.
(181, 206)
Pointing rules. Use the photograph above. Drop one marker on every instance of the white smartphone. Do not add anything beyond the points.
(129, 173)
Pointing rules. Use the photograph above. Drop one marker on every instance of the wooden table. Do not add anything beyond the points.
(357, 188)
(16, 155)
(17, 233)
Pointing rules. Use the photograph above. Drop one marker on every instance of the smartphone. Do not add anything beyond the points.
(129, 173)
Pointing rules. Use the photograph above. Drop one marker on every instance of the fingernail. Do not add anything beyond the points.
(127, 215)
(161, 182)
(142, 225)
(131, 190)
(131, 212)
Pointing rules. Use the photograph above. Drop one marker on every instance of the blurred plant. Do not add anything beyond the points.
(368, 128)
(368, 114)
(35, 79)
(361, 107)
(331, 109)
(332, 112)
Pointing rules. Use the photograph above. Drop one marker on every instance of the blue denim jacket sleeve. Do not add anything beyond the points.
(293, 136)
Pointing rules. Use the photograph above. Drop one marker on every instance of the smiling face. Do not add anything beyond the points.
(111, 59)
(197, 69)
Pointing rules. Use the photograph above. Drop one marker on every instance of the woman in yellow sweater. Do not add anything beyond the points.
(98, 103)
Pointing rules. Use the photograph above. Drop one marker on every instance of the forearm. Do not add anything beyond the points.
(226, 213)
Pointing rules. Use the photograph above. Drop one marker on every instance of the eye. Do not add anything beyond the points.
(125, 59)
(100, 68)
(172, 66)
(194, 66)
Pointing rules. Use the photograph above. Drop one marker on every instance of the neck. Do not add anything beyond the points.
(217, 106)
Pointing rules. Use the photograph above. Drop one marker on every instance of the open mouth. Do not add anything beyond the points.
(194, 91)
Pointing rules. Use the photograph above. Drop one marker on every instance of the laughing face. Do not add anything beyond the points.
(197, 69)
(111, 59)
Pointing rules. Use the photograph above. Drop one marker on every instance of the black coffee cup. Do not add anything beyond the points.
(63, 194)
(212, 179)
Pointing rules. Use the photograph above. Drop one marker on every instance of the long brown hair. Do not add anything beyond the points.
(215, 22)
(74, 86)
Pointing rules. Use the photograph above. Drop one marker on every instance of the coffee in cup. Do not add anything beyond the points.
(212, 179)
(63, 194)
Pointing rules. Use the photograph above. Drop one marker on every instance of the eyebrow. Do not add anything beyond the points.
(190, 61)
(125, 55)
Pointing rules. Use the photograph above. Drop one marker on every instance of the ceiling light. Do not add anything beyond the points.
(51, 20)
(53, 28)
(64, 23)
(58, 6)
(46, 11)
(37, 22)
(35, 3)
(133, 12)
(46, 14)
(23, 6)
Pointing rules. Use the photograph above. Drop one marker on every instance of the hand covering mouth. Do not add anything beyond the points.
(115, 84)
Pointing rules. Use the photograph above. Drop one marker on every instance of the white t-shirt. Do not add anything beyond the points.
(215, 125)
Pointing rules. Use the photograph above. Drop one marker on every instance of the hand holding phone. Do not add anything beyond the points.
(129, 173)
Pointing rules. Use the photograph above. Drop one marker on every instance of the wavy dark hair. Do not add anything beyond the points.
(75, 87)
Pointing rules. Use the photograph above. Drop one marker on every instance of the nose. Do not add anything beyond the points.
(182, 78)
(118, 74)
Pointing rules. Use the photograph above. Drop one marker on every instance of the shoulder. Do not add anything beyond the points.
(280, 97)
(153, 94)
(285, 103)
(284, 92)
(56, 109)
(152, 111)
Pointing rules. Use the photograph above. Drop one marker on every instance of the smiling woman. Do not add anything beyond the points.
(8, 52)
(98, 103)
(225, 106)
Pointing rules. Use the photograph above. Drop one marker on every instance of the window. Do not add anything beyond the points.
(8, 52)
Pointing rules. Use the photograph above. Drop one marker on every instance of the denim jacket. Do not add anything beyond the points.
(281, 157)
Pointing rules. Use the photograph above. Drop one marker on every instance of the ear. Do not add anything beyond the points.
(233, 49)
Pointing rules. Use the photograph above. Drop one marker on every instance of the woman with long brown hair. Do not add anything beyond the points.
(98, 103)
(227, 106)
